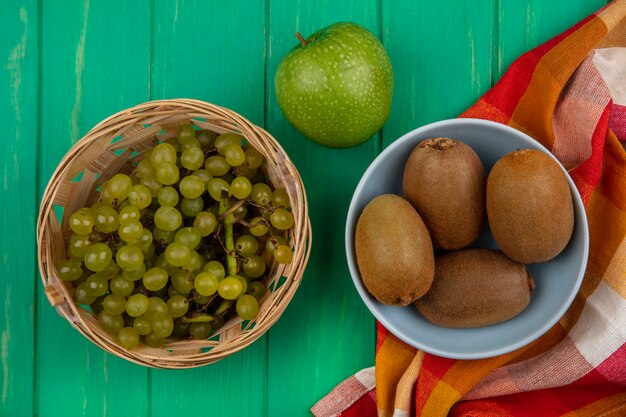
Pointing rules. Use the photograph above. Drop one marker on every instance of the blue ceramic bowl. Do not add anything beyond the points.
(557, 281)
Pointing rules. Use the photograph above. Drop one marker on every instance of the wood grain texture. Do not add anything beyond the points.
(82, 61)
(18, 114)
(441, 53)
(214, 54)
(91, 69)
(326, 333)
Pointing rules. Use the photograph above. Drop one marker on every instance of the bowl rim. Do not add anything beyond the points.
(372, 304)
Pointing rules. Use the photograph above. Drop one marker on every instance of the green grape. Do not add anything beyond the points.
(162, 263)
(206, 138)
(181, 330)
(243, 171)
(155, 278)
(280, 198)
(121, 286)
(174, 142)
(247, 307)
(216, 186)
(168, 197)
(69, 269)
(259, 227)
(205, 283)
(272, 243)
(111, 323)
(185, 133)
(246, 245)
(82, 221)
(137, 305)
(142, 325)
(260, 176)
(199, 331)
(129, 214)
(261, 194)
(144, 168)
(283, 254)
(281, 219)
(97, 257)
(254, 266)
(119, 186)
(167, 173)
(129, 337)
(140, 196)
(110, 271)
(145, 240)
(156, 309)
(191, 206)
(253, 159)
(226, 139)
(195, 262)
(163, 153)
(177, 306)
(167, 218)
(114, 304)
(216, 165)
(215, 268)
(106, 219)
(191, 186)
(205, 223)
(163, 236)
(153, 340)
(148, 253)
(130, 232)
(201, 299)
(192, 158)
(105, 194)
(82, 294)
(240, 187)
(234, 155)
(163, 326)
(204, 175)
(230, 288)
(193, 143)
(134, 274)
(240, 212)
(188, 236)
(182, 281)
(257, 289)
(129, 257)
(177, 254)
(152, 183)
(244, 284)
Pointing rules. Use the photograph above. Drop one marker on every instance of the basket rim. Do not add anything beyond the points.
(70, 310)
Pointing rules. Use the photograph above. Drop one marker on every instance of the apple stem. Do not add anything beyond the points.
(302, 40)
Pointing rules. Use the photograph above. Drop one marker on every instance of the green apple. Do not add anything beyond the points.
(336, 86)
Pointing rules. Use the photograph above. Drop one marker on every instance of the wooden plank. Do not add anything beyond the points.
(214, 54)
(18, 116)
(95, 63)
(525, 24)
(326, 334)
(442, 59)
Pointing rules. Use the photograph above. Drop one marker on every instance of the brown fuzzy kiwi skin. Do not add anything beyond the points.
(529, 206)
(476, 287)
(444, 180)
(394, 251)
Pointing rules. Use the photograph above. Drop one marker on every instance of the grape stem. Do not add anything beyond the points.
(223, 307)
(200, 318)
(231, 260)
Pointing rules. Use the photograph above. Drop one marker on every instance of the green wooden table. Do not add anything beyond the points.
(65, 65)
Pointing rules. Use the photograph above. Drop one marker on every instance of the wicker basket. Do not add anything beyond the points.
(116, 145)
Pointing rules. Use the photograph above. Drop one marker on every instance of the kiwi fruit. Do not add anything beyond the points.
(476, 287)
(394, 252)
(529, 206)
(444, 180)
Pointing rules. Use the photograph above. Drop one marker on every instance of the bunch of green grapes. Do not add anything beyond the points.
(181, 245)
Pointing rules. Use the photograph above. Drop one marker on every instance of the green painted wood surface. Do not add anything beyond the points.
(66, 65)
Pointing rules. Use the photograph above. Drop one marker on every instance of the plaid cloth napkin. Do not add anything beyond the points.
(569, 94)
